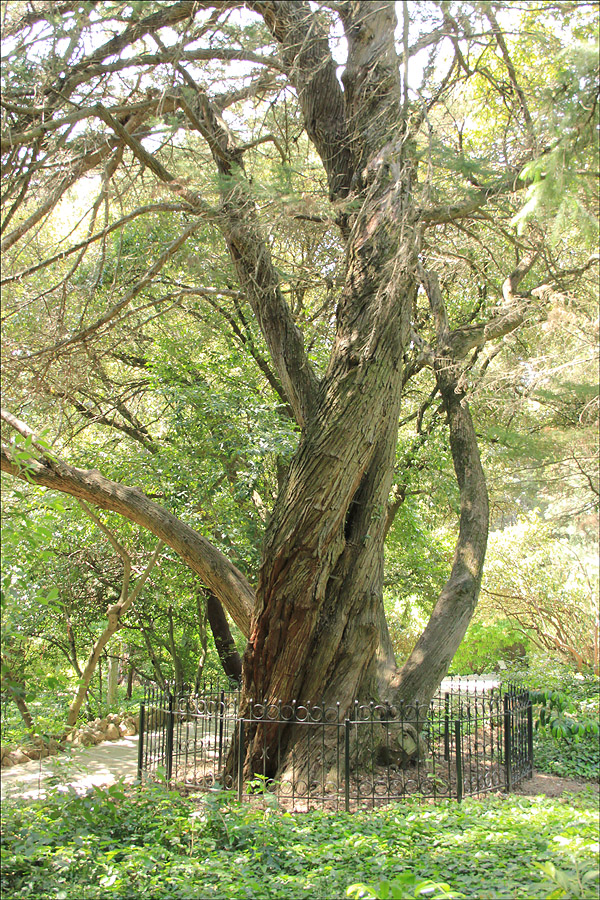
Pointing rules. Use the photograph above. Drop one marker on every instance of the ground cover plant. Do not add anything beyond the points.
(150, 842)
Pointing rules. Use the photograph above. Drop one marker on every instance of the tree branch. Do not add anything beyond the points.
(312, 71)
(257, 275)
(215, 570)
(113, 312)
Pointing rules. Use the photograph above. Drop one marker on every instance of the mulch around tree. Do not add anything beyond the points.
(553, 785)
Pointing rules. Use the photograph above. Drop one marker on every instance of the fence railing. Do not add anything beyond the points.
(467, 742)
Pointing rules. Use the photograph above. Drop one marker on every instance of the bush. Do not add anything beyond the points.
(566, 718)
(537, 581)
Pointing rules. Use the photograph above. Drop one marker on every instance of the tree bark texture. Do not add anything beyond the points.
(430, 659)
(224, 642)
(318, 631)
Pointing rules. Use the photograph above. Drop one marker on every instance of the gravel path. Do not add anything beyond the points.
(80, 769)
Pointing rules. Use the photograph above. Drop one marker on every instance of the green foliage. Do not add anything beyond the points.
(555, 712)
(172, 396)
(574, 882)
(567, 758)
(556, 186)
(150, 842)
(566, 718)
(405, 887)
(485, 646)
(543, 587)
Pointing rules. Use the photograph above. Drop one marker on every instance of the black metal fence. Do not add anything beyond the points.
(467, 742)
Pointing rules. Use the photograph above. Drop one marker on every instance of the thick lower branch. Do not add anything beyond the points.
(431, 657)
(215, 570)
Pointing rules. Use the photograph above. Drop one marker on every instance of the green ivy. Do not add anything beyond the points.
(135, 843)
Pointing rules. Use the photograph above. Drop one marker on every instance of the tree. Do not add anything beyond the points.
(133, 94)
(542, 585)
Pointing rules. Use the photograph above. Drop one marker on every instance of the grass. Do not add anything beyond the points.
(152, 843)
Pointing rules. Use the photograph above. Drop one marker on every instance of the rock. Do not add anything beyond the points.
(112, 732)
(21, 755)
(88, 738)
(9, 760)
(53, 746)
(5, 749)
(129, 726)
(402, 745)
(38, 753)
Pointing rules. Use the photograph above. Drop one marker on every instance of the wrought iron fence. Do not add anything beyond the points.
(467, 742)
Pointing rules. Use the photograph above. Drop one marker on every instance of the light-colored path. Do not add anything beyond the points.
(80, 769)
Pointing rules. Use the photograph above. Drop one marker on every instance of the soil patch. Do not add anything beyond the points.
(553, 785)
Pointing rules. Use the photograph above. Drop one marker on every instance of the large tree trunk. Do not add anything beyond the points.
(318, 632)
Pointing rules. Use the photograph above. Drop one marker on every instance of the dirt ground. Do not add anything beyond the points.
(81, 769)
(553, 786)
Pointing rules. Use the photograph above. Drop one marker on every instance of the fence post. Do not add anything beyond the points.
(446, 726)
(141, 726)
(240, 767)
(347, 764)
(221, 716)
(169, 745)
(507, 743)
(459, 770)
(529, 734)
